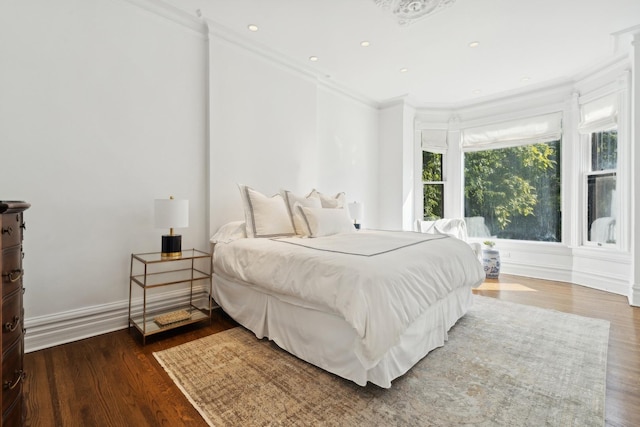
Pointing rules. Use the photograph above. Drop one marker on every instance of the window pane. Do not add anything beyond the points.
(604, 150)
(433, 198)
(514, 193)
(601, 190)
(431, 166)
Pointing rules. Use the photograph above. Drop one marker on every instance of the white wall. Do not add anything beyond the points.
(348, 151)
(102, 109)
(391, 166)
(276, 127)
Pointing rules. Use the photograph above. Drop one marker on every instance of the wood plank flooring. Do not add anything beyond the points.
(112, 380)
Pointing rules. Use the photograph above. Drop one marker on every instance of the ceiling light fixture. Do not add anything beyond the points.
(477, 92)
(525, 79)
(365, 43)
(313, 58)
(252, 27)
(404, 70)
(474, 44)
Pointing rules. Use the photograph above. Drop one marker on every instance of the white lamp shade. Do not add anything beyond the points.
(171, 213)
(356, 210)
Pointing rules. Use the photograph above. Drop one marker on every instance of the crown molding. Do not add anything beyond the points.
(172, 13)
(330, 85)
(220, 32)
(232, 38)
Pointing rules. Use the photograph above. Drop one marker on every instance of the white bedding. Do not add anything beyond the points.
(379, 282)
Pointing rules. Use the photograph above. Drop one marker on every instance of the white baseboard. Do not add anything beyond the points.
(604, 281)
(61, 328)
(634, 295)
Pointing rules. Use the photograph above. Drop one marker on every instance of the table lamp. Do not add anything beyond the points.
(356, 210)
(171, 213)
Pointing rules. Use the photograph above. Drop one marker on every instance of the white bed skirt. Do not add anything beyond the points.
(326, 340)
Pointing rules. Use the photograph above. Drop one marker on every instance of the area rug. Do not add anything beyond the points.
(504, 365)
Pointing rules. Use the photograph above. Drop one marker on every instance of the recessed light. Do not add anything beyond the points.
(252, 27)
(477, 92)
(313, 58)
(525, 79)
(474, 44)
(365, 43)
(404, 70)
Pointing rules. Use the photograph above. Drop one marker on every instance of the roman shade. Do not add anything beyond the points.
(529, 130)
(434, 140)
(599, 115)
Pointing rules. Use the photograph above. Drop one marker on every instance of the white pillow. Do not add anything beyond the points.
(265, 216)
(229, 232)
(326, 221)
(309, 201)
(337, 201)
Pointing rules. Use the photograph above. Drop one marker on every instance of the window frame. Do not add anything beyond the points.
(442, 182)
(561, 165)
(589, 172)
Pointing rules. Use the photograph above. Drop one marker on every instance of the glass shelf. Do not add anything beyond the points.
(152, 327)
(155, 257)
(164, 278)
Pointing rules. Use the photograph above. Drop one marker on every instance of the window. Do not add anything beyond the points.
(432, 185)
(601, 187)
(514, 192)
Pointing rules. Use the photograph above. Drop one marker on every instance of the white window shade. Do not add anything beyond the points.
(434, 140)
(530, 130)
(599, 115)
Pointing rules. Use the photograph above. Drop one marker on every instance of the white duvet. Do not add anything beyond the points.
(378, 281)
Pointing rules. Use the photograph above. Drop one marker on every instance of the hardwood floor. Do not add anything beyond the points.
(112, 380)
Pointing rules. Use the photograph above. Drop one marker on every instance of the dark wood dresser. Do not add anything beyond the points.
(12, 313)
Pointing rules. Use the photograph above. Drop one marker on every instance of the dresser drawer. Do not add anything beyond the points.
(11, 229)
(12, 374)
(11, 270)
(14, 415)
(11, 318)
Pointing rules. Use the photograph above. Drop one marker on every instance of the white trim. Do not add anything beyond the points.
(73, 325)
(224, 34)
(172, 13)
(634, 295)
(602, 281)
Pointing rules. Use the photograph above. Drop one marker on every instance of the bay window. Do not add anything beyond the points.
(512, 179)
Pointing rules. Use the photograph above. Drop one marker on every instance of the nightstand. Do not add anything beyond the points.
(186, 291)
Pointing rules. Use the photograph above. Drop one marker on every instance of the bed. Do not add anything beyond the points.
(365, 305)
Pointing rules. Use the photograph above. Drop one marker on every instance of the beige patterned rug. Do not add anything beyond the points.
(504, 365)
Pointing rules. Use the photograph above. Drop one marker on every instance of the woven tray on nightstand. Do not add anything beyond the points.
(173, 317)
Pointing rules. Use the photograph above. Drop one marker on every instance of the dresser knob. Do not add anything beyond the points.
(7, 230)
(11, 326)
(20, 376)
(23, 225)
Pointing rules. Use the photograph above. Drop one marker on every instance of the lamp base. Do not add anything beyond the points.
(171, 246)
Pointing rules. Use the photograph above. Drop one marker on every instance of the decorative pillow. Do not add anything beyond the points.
(326, 221)
(337, 201)
(229, 232)
(296, 216)
(265, 216)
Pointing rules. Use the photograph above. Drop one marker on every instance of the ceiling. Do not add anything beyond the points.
(523, 44)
